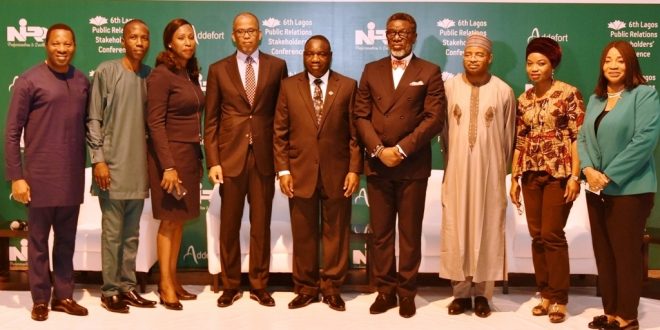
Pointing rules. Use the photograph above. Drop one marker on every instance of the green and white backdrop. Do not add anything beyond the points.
(356, 31)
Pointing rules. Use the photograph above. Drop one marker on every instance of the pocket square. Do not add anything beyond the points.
(417, 83)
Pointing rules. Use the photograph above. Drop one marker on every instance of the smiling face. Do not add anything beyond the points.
(539, 69)
(183, 43)
(614, 68)
(136, 41)
(476, 60)
(246, 34)
(317, 57)
(60, 49)
(401, 37)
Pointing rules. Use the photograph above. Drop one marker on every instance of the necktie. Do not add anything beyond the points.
(318, 99)
(250, 80)
(398, 64)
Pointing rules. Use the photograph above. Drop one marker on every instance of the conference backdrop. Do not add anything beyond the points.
(356, 31)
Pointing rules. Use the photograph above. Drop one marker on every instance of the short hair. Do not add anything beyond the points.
(319, 37)
(547, 47)
(245, 13)
(166, 57)
(403, 17)
(133, 21)
(631, 78)
(60, 26)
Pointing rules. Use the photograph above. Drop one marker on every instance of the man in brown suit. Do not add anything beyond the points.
(241, 95)
(399, 108)
(318, 162)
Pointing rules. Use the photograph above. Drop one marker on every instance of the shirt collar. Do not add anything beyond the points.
(324, 78)
(241, 57)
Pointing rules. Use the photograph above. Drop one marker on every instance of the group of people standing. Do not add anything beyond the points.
(317, 132)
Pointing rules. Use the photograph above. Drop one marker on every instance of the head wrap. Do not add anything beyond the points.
(547, 47)
(478, 40)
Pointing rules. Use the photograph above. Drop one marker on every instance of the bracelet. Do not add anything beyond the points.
(379, 148)
(168, 169)
(575, 178)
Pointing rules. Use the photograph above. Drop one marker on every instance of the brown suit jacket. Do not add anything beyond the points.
(410, 115)
(229, 119)
(304, 147)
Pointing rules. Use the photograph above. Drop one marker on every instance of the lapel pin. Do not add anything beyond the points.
(331, 93)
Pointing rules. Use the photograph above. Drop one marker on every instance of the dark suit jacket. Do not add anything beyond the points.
(229, 118)
(304, 147)
(410, 115)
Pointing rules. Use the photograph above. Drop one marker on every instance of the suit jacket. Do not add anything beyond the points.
(304, 147)
(410, 115)
(230, 120)
(626, 140)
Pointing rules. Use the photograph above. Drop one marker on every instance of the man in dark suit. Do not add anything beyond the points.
(399, 108)
(318, 162)
(241, 94)
(48, 106)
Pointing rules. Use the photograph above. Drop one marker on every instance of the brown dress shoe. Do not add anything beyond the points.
(228, 297)
(459, 306)
(40, 311)
(302, 300)
(481, 307)
(134, 299)
(407, 306)
(382, 303)
(114, 304)
(68, 306)
(335, 302)
(262, 297)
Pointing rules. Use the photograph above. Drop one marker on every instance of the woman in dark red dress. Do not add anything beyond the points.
(174, 104)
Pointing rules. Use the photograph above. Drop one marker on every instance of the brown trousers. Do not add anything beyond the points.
(259, 190)
(324, 219)
(617, 227)
(547, 213)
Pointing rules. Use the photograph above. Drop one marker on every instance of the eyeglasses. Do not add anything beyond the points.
(242, 32)
(403, 34)
(319, 54)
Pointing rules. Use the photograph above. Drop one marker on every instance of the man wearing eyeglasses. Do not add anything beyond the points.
(399, 108)
(318, 162)
(241, 94)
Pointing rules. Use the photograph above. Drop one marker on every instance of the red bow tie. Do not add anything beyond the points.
(399, 64)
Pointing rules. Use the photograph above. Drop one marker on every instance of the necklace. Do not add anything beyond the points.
(614, 95)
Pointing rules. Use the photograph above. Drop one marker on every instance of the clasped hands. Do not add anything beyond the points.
(391, 156)
(597, 180)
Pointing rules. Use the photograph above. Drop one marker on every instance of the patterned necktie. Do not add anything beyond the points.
(398, 64)
(250, 80)
(318, 99)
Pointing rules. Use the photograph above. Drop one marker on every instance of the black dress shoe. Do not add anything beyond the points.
(598, 322)
(228, 297)
(182, 294)
(335, 302)
(175, 306)
(382, 303)
(114, 304)
(481, 307)
(134, 299)
(302, 300)
(262, 297)
(40, 311)
(459, 306)
(407, 306)
(68, 306)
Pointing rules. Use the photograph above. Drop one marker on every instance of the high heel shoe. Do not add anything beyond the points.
(542, 308)
(557, 313)
(175, 306)
(185, 295)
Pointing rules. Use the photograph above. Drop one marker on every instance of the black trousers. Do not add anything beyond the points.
(617, 226)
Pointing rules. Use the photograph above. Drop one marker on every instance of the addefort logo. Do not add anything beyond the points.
(25, 35)
(554, 36)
